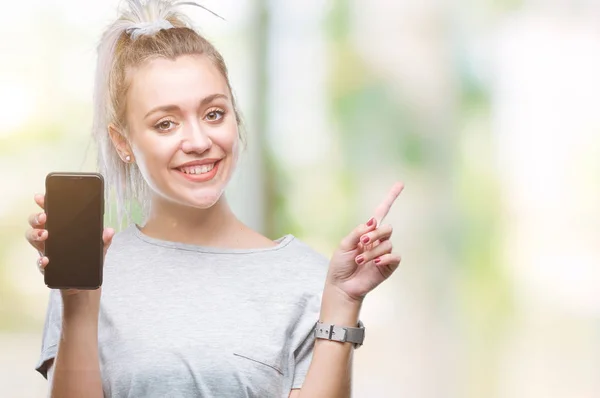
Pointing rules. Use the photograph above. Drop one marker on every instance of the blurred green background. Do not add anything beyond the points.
(487, 110)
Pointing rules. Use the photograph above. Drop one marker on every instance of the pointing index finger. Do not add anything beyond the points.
(382, 210)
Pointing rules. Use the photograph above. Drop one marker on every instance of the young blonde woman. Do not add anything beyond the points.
(195, 303)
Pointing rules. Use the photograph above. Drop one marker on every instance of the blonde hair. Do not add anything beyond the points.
(146, 30)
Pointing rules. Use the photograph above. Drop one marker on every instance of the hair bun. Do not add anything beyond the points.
(147, 28)
(153, 14)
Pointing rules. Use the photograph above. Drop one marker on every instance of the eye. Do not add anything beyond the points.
(215, 115)
(165, 125)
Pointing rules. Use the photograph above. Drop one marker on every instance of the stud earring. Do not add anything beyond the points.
(127, 158)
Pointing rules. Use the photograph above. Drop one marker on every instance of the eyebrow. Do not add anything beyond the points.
(171, 108)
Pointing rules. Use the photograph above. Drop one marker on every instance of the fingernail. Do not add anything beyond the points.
(39, 262)
(360, 260)
(365, 239)
(377, 260)
(371, 222)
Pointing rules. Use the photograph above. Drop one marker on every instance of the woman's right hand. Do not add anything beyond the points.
(37, 236)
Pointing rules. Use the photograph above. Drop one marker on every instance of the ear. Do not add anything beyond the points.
(120, 143)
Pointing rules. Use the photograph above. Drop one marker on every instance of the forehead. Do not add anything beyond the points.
(184, 80)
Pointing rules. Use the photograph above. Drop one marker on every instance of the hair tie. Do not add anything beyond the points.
(147, 28)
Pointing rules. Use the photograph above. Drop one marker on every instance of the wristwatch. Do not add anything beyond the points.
(342, 334)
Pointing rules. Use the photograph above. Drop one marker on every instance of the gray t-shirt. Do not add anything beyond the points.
(180, 320)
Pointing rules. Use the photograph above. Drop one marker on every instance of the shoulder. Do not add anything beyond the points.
(125, 234)
(309, 267)
(126, 240)
(125, 246)
(308, 256)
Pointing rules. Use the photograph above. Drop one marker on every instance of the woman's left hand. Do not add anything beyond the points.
(364, 258)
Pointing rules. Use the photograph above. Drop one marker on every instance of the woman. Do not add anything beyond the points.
(194, 302)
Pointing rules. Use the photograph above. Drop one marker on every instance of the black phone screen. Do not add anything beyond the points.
(74, 206)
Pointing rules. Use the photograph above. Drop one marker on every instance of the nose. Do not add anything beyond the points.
(194, 139)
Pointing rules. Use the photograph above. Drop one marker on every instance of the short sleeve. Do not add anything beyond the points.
(51, 332)
(304, 351)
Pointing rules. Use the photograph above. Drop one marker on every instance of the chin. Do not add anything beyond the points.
(203, 199)
(205, 202)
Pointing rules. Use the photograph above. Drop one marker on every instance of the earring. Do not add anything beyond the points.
(127, 159)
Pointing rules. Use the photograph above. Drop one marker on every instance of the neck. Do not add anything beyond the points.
(178, 223)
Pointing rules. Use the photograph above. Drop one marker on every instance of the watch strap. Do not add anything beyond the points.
(342, 334)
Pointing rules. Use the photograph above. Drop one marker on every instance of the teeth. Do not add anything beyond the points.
(205, 168)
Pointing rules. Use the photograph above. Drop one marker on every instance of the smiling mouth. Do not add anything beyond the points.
(195, 170)
(200, 172)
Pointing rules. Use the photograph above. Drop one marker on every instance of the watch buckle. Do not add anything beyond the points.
(331, 333)
(343, 340)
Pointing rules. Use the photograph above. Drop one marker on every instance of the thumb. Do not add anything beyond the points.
(107, 236)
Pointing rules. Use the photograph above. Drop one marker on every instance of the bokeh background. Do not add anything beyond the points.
(488, 110)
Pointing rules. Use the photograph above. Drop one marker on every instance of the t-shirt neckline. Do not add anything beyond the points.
(280, 244)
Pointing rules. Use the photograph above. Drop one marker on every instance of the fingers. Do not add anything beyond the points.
(107, 236)
(39, 199)
(381, 249)
(383, 209)
(36, 238)
(37, 220)
(382, 233)
(37, 235)
(42, 262)
(352, 241)
(387, 264)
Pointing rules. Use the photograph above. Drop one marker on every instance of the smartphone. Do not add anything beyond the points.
(74, 206)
